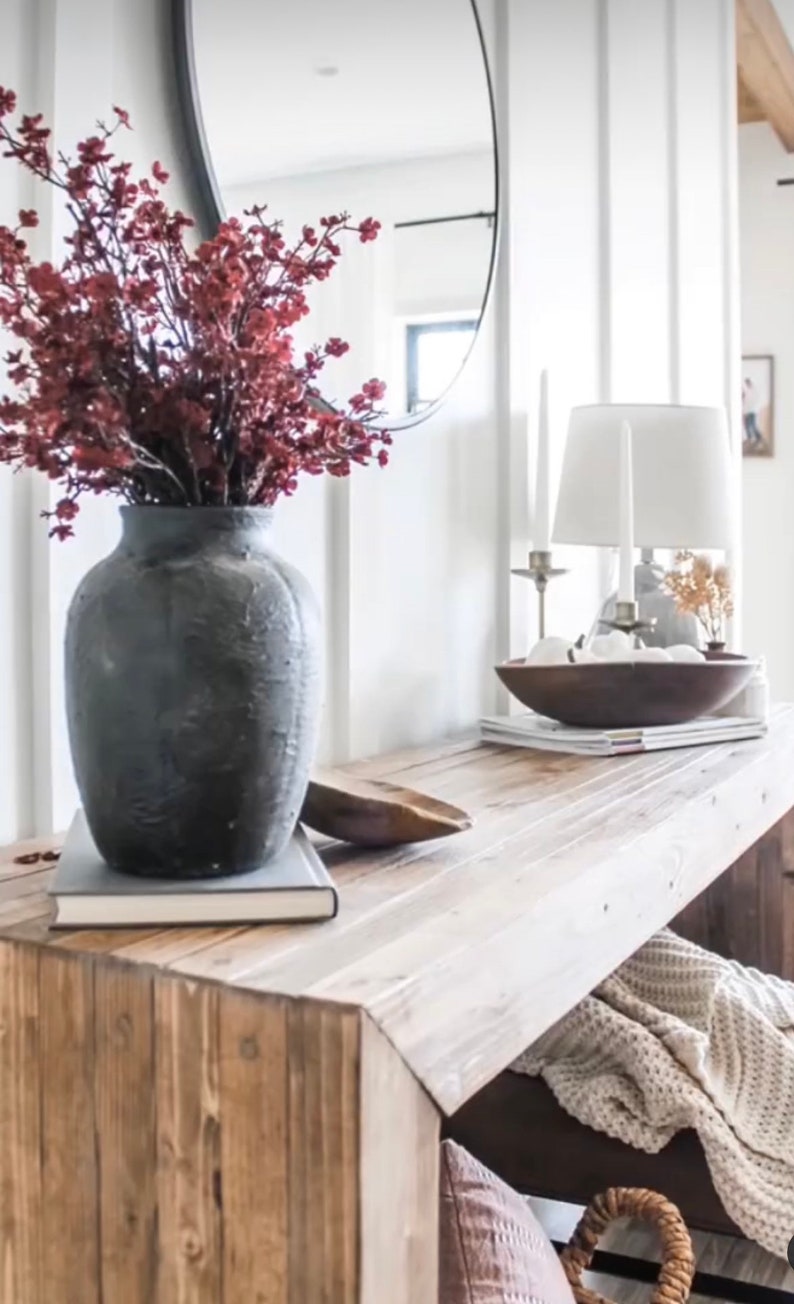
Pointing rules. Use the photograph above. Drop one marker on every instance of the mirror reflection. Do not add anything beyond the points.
(375, 107)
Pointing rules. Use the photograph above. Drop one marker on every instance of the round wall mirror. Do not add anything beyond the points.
(380, 108)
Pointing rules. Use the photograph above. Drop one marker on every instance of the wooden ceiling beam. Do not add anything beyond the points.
(766, 67)
(749, 108)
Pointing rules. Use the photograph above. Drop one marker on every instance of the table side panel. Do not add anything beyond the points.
(747, 914)
(400, 1129)
(254, 1149)
(21, 1203)
(70, 1186)
(324, 1154)
(188, 1142)
(175, 1142)
(126, 1127)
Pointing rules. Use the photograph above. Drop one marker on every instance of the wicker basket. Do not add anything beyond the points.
(677, 1263)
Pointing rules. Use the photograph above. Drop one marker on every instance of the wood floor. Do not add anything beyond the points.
(720, 1255)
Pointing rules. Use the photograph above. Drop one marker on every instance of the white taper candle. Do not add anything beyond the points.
(626, 581)
(541, 534)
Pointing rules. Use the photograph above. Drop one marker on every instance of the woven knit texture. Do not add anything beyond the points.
(680, 1038)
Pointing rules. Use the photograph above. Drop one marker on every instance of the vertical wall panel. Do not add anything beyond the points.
(75, 75)
(767, 254)
(101, 54)
(422, 596)
(17, 817)
(555, 239)
(731, 283)
(638, 196)
(422, 574)
(698, 109)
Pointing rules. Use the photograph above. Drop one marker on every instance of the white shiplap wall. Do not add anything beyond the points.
(616, 271)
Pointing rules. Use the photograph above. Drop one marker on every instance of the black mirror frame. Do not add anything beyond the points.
(209, 200)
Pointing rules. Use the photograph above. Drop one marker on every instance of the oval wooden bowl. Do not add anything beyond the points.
(372, 813)
(622, 694)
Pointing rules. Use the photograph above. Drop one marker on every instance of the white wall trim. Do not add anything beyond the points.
(731, 292)
(507, 450)
(604, 207)
(605, 555)
(674, 214)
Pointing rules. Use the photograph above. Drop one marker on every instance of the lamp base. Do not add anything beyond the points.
(670, 626)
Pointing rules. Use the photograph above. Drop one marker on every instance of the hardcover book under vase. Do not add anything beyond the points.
(294, 886)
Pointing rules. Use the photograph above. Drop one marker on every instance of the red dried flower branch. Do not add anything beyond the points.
(157, 373)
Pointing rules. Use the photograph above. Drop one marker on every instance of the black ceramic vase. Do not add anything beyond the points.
(192, 693)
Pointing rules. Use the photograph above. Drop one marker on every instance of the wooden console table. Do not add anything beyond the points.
(252, 1115)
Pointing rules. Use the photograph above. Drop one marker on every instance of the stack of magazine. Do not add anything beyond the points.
(531, 730)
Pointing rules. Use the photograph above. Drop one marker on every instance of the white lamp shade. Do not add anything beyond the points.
(682, 477)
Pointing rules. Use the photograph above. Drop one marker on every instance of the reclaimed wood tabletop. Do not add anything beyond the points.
(251, 1115)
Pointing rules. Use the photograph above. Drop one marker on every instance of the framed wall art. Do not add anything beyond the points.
(758, 405)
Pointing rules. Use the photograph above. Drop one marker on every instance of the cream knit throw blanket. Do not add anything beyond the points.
(679, 1038)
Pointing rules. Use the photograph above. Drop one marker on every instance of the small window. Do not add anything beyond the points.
(435, 353)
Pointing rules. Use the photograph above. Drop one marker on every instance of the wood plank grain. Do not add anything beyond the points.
(766, 65)
(369, 882)
(25, 911)
(99, 941)
(20, 1126)
(771, 896)
(25, 883)
(399, 1178)
(749, 110)
(747, 914)
(324, 1066)
(351, 963)
(161, 948)
(787, 930)
(254, 1156)
(364, 876)
(70, 1242)
(495, 986)
(126, 1133)
(188, 1143)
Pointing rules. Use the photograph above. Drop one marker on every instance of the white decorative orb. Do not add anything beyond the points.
(616, 646)
(549, 651)
(684, 652)
(651, 654)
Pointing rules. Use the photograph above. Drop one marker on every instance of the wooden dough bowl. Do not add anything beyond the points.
(370, 813)
(625, 694)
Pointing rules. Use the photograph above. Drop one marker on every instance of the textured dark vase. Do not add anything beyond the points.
(192, 693)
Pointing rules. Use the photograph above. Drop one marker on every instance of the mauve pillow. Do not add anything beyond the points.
(493, 1249)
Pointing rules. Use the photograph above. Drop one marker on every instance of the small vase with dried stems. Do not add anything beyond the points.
(702, 588)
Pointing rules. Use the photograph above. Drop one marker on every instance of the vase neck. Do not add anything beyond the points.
(161, 530)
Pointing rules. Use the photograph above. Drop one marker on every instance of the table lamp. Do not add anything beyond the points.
(681, 468)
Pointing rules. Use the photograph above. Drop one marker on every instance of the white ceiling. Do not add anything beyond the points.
(410, 83)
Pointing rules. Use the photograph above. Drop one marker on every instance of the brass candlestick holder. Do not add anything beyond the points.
(540, 570)
(627, 619)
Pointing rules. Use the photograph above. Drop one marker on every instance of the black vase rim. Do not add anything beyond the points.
(151, 526)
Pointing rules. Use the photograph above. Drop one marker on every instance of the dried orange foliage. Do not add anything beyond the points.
(702, 589)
